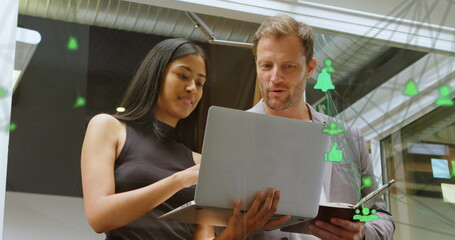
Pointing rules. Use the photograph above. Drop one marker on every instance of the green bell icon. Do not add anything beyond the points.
(411, 88)
(324, 81)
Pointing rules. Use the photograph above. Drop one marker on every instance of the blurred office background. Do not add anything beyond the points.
(394, 79)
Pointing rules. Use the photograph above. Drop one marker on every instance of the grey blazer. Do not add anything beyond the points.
(342, 181)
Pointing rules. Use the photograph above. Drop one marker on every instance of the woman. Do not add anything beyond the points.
(133, 170)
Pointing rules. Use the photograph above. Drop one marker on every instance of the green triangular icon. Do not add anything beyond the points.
(12, 126)
(411, 88)
(3, 92)
(72, 44)
(80, 101)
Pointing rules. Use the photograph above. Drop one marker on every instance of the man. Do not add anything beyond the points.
(283, 50)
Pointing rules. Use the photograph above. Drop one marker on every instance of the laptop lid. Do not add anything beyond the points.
(245, 152)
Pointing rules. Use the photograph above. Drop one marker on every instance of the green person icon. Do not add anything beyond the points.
(444, 99)
(332, 129)
(357, 215)
(373, 216)
(324, 81)
(334, 155)
(366, 217)
(411, 88)
(328, 66)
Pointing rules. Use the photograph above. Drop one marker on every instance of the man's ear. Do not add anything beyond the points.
(311, 67)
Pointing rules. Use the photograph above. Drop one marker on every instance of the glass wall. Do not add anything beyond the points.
(421, 157)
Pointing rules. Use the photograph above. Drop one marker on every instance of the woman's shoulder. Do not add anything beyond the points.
(104, 120)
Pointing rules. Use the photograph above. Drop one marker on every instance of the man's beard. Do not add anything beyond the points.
(290, 101)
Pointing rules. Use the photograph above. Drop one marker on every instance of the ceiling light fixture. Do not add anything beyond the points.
(198, 23)
(26, 42)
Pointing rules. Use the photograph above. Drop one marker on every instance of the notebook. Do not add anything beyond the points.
(244, 153)
(342, 211)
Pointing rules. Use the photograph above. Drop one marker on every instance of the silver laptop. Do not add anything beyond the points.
(244, 153)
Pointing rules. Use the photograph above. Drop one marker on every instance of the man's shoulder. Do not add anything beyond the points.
(258, 108)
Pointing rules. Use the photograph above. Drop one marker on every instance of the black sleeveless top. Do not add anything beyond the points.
(144, 160)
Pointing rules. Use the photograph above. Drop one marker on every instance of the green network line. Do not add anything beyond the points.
(422, 69)
(371, 126)
(419, 80)
(437, 33)
(413, 3)
(73, 45)
(384, 112)
(370, 39)
(401, 13)
(404, 117)
(434, 216)
(429, 209)
(405, 114)
(358, 115)
(424, 188)
(397, 151)
(345, 145)
(443, 20)
(425, 228)
(391, 13)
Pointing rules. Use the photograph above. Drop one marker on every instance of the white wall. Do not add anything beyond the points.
(8, 22)
(24, 215)
(46, 217)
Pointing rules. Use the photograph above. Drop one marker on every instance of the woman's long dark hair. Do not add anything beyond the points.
(142, 94)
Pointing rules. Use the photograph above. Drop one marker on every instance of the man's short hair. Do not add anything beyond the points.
(281, 26)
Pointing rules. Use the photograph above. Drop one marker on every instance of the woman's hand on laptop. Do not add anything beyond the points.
(256, 218)
(188, 177)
